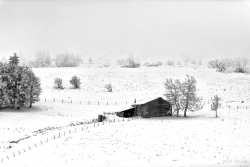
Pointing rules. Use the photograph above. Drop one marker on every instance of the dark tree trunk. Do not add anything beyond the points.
(31, 96)
(185, 110)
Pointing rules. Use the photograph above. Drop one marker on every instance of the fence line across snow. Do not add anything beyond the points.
(60, 134)
(90, 102)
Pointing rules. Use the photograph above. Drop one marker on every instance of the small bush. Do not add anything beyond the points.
(106, 65)
(121, 62)
(76, 82)
(238, 65)
(58, 83)
(194, 62)
(108, 87)
(157, 64)
(101, 118)
(170, 63)
(131, 62)
(179, 63)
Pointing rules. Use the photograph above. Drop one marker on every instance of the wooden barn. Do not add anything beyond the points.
(148, 108)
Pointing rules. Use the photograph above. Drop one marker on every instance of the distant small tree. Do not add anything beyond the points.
(108, 87)
(58, 83)
(199, 62)
(14, 60)
(189, 101)
(186, 60)
(90, 60)
(215, 104)
(76, 82)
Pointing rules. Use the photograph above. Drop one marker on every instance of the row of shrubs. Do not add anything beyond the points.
(76, 83)
(43, 59)
(130, 62)
(237, 65)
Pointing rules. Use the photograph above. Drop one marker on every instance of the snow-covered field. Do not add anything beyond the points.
(198, 140)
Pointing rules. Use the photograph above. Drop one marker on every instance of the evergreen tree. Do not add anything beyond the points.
(14, 60)
(18, 85)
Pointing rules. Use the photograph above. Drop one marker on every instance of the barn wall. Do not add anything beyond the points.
(153, 109)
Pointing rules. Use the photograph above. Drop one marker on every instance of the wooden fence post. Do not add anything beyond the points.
(89, 102)
(107, 103)
(62, 101)
(71, 100)
(45, 99)
(14, 154)
(98, 102)
(54, 99)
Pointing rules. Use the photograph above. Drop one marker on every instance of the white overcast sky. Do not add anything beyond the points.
(144, 27)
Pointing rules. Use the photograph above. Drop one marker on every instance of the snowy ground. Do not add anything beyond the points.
(199, 140)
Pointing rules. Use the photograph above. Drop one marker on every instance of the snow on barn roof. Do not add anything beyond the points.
(145, 101)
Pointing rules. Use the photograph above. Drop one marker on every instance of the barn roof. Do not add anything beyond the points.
(145, 101)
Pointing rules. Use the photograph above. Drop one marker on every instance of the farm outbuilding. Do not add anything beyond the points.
(157, 107)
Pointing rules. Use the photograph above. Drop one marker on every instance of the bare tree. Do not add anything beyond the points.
(173, 93)
(215, 104)
(189, 101)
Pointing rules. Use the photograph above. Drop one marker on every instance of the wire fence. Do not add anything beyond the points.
(130, 102)
(52, 100)
(61, 134)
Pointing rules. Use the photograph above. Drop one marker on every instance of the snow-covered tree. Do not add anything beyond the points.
(18, 84)
(189, 101)
(182, 95)
(173, 93)
(215, 104)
